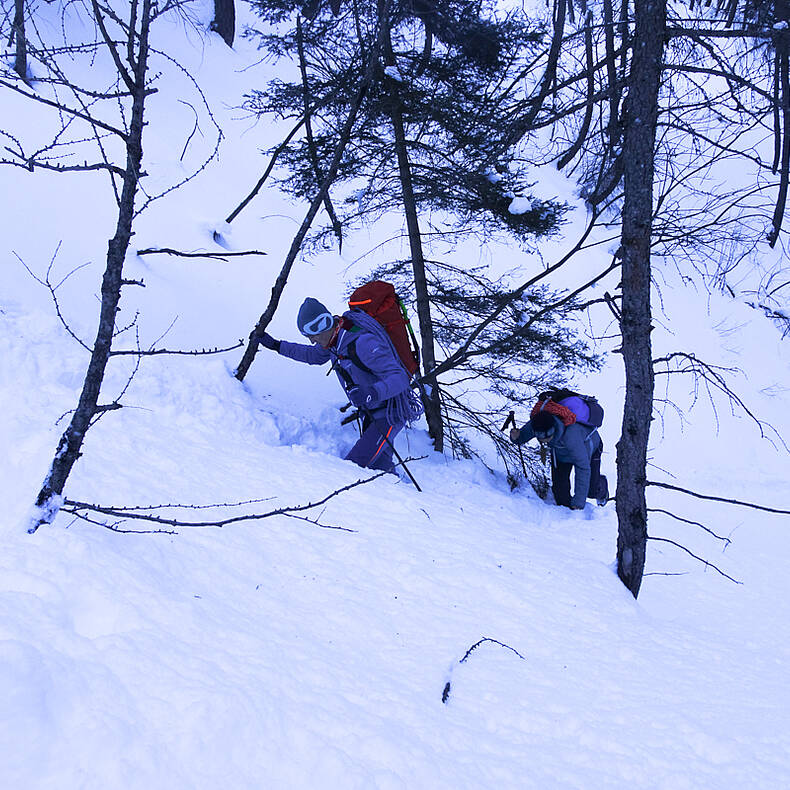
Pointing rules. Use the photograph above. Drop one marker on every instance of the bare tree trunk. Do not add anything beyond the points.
(782, 100)
(639, 147)
(70, 445)
(431, 400)
(224, 21)
(430, 396)
(18, 28)
(523, 126)
(315, 205)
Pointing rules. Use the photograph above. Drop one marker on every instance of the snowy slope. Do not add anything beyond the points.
(278, 653)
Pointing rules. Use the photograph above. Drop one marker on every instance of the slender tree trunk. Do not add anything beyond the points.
(639, 146)
(307, 103)
(315, 205)
(20, 56)
(70, 445)
(431, 401)
(522, 126)
(782, 99)
(224, 21)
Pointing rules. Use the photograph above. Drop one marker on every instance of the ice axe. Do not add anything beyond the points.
(511, 420)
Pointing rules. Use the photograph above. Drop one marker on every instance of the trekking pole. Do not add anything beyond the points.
(349, 418)
(511, 420)
(367, 413)
(361, 409)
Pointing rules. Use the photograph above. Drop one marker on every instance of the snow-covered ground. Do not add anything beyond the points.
(280, 653)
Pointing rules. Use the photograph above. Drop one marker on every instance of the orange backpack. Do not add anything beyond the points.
(379, 300)
(557, 409)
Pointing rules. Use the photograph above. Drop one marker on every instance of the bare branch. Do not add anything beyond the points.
(727, 541)
(220, 256)
(195, 129)
(705, 562)
(122, 70)
(494, 641)
(178, 352)
(52, 290)
(63, 108)
(108, 407)
(71, 506)
(447, 685)
(711, 375)
(207, 107)
(32, 163)
(726, 500)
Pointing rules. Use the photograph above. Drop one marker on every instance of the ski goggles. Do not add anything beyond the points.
(319, 324)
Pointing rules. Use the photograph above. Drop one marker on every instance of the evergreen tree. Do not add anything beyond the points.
(431, 143)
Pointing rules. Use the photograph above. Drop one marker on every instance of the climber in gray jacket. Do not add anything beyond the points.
(576, 446)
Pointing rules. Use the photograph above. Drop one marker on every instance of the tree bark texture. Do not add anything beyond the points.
(430, 396)
(522, 126)
(70, 445)
(639, 147)
(20, 41)
(224, 21)
(782, 112)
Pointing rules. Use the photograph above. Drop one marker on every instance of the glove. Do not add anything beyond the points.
(515, 433)
(363, 397)
(267, 341)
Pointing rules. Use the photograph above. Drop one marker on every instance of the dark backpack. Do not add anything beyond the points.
(379, 300)
(585, 408)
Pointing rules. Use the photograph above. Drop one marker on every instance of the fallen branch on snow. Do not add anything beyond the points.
(446, 691)
(122, 513)
(220, 256)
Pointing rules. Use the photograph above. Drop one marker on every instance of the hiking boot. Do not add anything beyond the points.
(603, 491)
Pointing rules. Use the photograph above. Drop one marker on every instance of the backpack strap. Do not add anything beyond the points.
(352, 355)
(590, 435)
(351, 352)
(346, 378)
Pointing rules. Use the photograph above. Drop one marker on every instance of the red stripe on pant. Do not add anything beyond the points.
(380, 447)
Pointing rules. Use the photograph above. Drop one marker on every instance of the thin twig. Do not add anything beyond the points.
(705, 562)
(688, 521)
(71, 506)
(178, 352)
(496, 642)
(726, 500)
(216, 255)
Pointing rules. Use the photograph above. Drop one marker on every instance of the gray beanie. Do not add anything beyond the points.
(313, 317)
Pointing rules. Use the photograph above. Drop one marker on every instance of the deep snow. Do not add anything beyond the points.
(282, 654)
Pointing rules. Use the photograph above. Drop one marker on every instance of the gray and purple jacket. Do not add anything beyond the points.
(575, 445)
(361, 359)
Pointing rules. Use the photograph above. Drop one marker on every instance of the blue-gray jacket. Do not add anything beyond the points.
(385, 373)
(575, 445)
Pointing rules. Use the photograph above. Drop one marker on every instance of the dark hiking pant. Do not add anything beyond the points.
(561, 479)
(373, 450)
